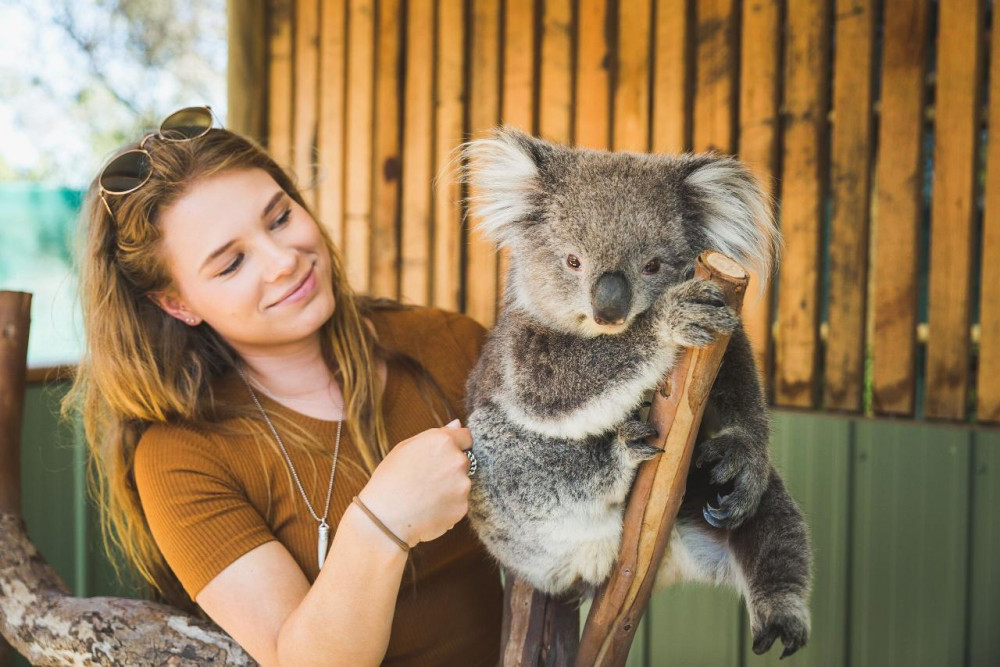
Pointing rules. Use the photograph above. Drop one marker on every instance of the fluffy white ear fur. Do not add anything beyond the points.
(502, 176)
(739, 221)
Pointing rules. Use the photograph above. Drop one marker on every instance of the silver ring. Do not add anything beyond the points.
(472, 462)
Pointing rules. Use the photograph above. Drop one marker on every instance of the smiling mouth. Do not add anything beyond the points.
(298, 285)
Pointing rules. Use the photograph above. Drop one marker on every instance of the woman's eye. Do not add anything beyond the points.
(232, 267)
(652, 266)
(283, 218)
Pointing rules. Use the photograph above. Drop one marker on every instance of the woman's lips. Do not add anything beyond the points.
(305, 288)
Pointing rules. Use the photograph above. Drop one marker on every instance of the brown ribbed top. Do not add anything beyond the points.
(210, 499)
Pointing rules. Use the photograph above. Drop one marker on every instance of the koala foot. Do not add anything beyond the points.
(739, 463)
(635, 434)
(787, 618)
(697, 313)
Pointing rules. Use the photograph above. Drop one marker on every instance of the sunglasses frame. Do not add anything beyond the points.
(159, 134)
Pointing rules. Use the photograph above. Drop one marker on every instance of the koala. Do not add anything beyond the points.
(599, 301)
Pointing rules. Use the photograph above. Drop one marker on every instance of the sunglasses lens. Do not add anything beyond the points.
(187, 124)
(126, 172)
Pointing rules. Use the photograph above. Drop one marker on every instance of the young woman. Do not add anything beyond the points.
(237, 397)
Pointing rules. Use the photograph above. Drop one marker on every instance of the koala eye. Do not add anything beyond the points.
(652, 266)
(572, 262)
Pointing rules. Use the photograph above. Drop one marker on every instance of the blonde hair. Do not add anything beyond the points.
(141, 365)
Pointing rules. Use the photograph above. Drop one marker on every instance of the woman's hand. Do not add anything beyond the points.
(421, 489)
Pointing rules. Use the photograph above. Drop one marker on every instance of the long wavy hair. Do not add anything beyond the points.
(141, 365)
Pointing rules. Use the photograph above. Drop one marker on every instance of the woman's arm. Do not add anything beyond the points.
(265, 603)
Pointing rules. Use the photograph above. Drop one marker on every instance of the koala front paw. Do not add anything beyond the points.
(740, 463)
(697, 312)
(635, 434)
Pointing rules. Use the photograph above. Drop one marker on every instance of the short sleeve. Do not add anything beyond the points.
(200, 517)
(469, 334)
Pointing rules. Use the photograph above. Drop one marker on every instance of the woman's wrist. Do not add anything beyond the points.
(360, 523)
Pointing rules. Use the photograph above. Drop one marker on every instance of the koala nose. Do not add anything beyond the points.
(611, 298)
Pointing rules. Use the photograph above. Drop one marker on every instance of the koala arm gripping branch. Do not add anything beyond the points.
(737, 431)
(569, 386)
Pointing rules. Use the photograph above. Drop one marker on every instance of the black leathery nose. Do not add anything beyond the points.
(611, 298)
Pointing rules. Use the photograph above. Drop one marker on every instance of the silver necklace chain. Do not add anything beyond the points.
(291, 466)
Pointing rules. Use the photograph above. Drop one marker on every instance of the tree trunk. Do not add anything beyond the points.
(38, 616)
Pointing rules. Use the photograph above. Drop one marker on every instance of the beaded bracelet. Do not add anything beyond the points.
(385, 529)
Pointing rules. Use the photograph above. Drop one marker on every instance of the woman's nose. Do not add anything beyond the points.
(282, 261)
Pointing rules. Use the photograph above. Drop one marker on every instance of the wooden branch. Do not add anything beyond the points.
(659, 487)
(49, 627)
(38, 617)
(537, 629)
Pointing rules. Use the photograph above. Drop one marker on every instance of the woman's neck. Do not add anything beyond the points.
(295, 371)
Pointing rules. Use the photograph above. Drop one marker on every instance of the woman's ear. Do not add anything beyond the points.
(174, 306)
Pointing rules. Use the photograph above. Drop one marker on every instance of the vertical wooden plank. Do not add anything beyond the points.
(671, 83)
(449, 120)
(910, 551)
(555, 85)
(695, 625)
(898, 205)
(715, 74)
(306, 91)
(803, 155)
(953, 204)
(631, 93)
(330, 133)
(246, 69)
(360, 93)
(760, 49)
(418, 159)
(385, 272)
(484, 111)
(518, 83)
(843, 375)
(594, 51)
(280, 78)
(813, 454)
(988, 385)
(984, 607)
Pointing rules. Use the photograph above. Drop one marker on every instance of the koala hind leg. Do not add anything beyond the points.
(772, 552)
(766, 559)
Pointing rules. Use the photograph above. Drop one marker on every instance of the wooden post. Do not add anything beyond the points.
(676, 410)
(537, 629)
(246, 75)
(38, 616)
(15, 317)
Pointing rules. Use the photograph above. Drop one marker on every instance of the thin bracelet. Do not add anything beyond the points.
(385, 529)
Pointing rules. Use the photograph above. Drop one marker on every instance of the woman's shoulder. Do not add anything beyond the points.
(171, 446)
(428, 329)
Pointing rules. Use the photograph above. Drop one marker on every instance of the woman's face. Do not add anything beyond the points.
(247, 260)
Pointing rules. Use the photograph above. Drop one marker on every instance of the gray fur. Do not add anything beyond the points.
(554, 399)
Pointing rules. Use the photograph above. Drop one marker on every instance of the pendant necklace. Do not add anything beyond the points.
(323, 536)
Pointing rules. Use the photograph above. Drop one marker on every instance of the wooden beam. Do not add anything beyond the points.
(246, 71)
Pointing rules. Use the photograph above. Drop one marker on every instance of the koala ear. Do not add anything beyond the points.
(736, 213)
(504, 174)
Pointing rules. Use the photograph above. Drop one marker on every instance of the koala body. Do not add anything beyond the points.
(598, 304)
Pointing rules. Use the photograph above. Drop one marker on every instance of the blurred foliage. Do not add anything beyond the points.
(80, 78)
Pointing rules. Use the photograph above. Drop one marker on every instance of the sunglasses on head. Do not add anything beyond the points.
(130, 170)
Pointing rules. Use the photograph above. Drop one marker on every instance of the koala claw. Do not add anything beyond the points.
(697, 313)
(787, 624)
(735, 463)
(635, 434)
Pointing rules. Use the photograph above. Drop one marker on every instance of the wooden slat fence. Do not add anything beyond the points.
(867, 120)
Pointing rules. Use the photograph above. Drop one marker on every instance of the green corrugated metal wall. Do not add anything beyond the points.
(903, 525)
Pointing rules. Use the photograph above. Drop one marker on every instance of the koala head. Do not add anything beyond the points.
(596, 237)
